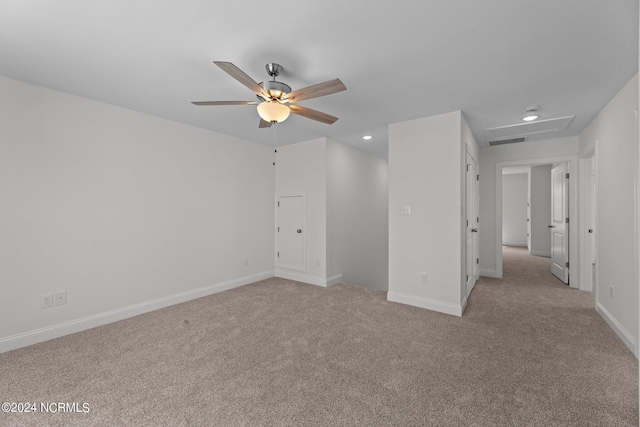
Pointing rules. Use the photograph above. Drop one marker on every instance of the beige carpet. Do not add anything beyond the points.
(529, 351)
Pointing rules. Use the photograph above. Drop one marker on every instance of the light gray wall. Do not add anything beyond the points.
(301, 169)
(514, 209)
(540, 199)
(614, 133)
(357, 216)
(124, 211)
(426, 173)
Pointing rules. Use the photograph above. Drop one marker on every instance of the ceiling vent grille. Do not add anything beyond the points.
(508, 141)
(528, 129)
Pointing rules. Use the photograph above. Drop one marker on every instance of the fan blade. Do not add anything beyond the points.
(243, 78)
(313, 114)
(321, 89)
(225, 102)
(264, 124)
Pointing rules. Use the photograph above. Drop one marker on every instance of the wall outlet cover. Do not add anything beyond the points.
(60, 298)
(46, 300)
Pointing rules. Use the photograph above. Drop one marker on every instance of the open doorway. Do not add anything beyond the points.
(572, 262)
(535, 214)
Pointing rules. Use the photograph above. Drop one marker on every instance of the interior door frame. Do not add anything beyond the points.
(472, 189)
(302, 194)
(588, 178)
(558, 226)
(572, 161)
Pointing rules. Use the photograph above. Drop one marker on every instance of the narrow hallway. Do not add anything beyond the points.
(550, 339)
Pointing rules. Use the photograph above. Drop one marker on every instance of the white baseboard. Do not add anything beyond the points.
(334, 280)
(311, 280)
(61, 329)
(514, 244)
(617, 327)
(485, 272)
(546, 254)
(439, 306)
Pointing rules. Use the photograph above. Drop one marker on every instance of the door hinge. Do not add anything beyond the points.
(278, 229)
(468, 168)
(478, 219)
(566, 264)
(567, 175)
(567, 221)
(478, 177)
(278, 254)
(477, 260)
(278, 203)
(467, 277)
(467, 223)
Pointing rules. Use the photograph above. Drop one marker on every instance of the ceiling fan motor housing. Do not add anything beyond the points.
(275, 89)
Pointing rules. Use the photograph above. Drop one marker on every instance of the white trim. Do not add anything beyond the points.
(617, 327)
(335, 280)
(485, 272)
(61, 329)
(574, 259)
(304, 278)
(588, 219)
(442, 307)
(636, 226)
(519, 244)
(546, 254)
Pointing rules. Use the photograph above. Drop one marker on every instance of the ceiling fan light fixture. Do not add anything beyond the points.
(273, 111)
(367, 137)
(531, 114)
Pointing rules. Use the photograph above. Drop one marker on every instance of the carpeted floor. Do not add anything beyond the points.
(528, 351)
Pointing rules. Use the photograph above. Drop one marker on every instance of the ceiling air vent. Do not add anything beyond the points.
(508, 141)
(538, 127)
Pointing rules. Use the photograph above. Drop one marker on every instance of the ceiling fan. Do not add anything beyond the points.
(275, 99)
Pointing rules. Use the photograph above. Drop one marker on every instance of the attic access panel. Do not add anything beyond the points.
(528, 129)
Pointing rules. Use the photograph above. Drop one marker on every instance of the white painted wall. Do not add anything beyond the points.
(615, 130)
(126, 212)
(492, 159)
(426, 173)
(301, 169)
(514, 209)
(357, 216)
(540, 199)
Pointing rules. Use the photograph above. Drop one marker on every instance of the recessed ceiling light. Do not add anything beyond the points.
(367, 137)
(531, 114)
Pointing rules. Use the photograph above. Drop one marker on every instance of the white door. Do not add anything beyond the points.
(559, 223)
(290, 238)
(476, 221)
(471, 209)
(591, 219)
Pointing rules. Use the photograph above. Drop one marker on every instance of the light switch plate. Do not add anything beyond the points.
(405, 210)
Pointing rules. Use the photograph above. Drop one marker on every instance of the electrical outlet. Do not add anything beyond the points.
(424, 278)
(46, 300)
(611, 291)
(405, 210)
(60, 298)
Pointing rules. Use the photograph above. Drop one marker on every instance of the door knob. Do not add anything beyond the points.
(590, 230)
(474, 230)
(551, 226)
(298, 231)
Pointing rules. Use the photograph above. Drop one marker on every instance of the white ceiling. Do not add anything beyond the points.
(400, 60)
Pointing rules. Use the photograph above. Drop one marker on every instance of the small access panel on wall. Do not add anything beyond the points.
(290, 232)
